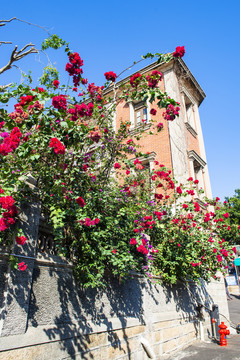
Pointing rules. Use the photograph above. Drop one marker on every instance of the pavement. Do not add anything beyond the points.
(213, 351)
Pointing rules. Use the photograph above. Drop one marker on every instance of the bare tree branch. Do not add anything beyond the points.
(3, 22)
(17, 55)
(41, 27)
(5, 42)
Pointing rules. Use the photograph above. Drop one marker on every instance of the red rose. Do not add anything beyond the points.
(142, 250)
(87, 222)
(84, 81)
(75, 59)
(179, 190)
(7, 202)
(21, 240)
(80, 201)
(117, 166)
(60, 102)
(135, 80)
(179, 52)
(154, 78)
(3, 224)
(22, 266)
(110, 76)
(158, 196)
(219, 258)
(171, 112)
(159, 126)
(133, 241)
(56, 83)
(59, 148)
(153, 111)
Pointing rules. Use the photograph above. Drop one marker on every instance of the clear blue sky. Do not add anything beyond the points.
(110, 35)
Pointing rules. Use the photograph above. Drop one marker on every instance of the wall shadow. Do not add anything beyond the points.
(70, 313)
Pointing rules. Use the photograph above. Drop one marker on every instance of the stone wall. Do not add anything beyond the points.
(123, 321)
(47, 315)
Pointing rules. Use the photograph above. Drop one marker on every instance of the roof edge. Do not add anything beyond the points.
(169, 65)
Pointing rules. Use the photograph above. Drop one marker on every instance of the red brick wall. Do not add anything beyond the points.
(159, 142)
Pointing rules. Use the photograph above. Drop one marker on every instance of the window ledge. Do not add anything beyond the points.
(201, 203)
(191, 129)
(139, 128)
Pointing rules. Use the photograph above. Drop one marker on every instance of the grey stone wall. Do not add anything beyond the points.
(76, 323)
(3, 279)
(47, 315)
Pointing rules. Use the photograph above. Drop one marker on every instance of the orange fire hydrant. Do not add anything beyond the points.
(223, 332)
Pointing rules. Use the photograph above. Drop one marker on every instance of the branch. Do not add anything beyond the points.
(5, 42)
(3, 23)
(3, 87)
(41, 27)
(17, 55)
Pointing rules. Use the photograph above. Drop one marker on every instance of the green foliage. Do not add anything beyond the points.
(54, 42)
(50, 74)
(105, 213)
(234, 207)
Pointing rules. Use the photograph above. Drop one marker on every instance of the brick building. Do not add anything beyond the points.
(179, 146)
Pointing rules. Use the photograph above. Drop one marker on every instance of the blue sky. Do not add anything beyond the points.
(111, 35)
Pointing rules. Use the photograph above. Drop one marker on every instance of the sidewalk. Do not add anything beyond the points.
(212, 351)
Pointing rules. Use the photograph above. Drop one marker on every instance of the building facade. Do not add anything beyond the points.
(179, 146)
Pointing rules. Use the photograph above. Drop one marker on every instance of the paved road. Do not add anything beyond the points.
(212, 351)
(234, 309)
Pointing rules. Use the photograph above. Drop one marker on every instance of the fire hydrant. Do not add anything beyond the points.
(223, 332)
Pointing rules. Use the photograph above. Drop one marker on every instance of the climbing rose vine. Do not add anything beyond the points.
(94, 191)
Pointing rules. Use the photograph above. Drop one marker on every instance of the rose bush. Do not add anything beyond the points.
(103, 210)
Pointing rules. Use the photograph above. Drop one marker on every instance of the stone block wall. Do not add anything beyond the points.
(47, 315)
(134, 320)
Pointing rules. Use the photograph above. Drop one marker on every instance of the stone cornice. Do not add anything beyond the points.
(149, 157)
(191, 129)
(193, 155)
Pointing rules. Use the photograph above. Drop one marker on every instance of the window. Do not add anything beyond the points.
(197, 172)
(139, 114)
(197, 165)
(189, 114)
(145, 168)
